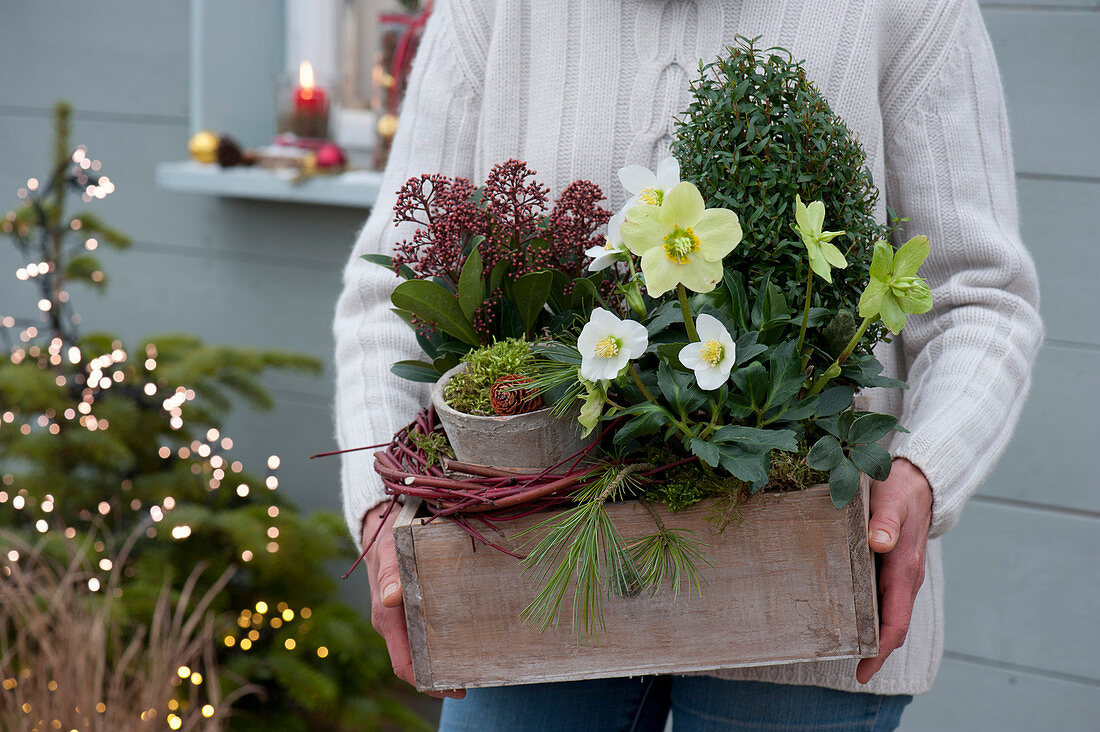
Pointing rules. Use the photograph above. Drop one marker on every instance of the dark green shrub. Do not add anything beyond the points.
(757, 133)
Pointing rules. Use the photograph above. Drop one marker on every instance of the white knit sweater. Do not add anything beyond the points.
(580, 88)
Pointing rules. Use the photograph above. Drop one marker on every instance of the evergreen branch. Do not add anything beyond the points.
(582, 548)
(92, 224)
(670, 554)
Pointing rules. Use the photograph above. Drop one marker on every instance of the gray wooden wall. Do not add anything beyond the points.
(1023, 589)
(232, 271)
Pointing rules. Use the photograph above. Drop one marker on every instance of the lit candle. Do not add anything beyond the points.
(310, 116)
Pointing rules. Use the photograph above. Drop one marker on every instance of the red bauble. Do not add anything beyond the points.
(330, 155)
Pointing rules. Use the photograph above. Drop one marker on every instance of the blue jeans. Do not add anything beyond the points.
(698, 704)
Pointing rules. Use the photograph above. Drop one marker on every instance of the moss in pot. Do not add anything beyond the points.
(526, 437)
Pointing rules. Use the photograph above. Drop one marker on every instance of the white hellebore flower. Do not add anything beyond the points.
(712, 356)
(607, 343)
(613, 250)
(648, 187)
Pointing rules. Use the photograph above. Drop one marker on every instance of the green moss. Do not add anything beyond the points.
(468, 391)
(686, 485)
(434, 444)
(689, 484)
(789, 471)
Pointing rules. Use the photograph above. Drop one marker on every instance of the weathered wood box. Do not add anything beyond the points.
(794, 581)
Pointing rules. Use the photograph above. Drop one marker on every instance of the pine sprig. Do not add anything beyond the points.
(591, 551)
(583, 550)
(670, 554)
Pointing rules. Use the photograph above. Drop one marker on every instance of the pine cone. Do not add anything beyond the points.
(229, 152)
(507, 399)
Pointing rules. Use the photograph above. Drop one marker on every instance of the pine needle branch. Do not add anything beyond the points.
(670, 554)
(585, 550)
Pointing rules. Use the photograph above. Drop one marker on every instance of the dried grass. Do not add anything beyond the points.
(68, 662)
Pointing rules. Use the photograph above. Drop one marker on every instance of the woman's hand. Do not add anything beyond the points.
(387, 611)
(901, 513)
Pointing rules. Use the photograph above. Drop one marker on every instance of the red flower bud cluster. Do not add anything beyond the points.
(446, 212)
(509, 211)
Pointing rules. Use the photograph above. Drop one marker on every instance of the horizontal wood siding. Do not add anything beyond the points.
(1023, 653)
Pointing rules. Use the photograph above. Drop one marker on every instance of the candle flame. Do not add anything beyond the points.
(305, 75)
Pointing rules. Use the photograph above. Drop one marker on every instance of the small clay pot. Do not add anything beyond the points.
(529, 442)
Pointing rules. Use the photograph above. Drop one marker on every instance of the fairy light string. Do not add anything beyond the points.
(47, 241)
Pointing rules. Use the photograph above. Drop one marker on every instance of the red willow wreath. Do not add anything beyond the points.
(464, 492)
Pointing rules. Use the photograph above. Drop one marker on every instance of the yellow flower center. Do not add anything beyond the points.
(681, 244)
(712, 352)
(608, 347)
(652, 196)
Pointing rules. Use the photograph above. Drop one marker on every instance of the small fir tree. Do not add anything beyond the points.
(97, 436)
(756, 134)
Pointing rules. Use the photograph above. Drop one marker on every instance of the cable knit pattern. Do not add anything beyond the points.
(580, 88)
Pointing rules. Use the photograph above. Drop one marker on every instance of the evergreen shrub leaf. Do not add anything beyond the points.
(432, 302)
(419, 371)
(705, 451)
(870, 426)
(843, 483)
(872, 459)
(471, 286)
(825, 454)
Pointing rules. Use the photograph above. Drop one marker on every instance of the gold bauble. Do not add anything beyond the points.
(387, 125)
(203, 146)
(309, 164)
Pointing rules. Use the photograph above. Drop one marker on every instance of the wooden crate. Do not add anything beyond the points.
(795, 581)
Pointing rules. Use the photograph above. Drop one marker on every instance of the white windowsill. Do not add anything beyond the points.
(356, 188)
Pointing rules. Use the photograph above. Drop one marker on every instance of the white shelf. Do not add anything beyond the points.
(356, 188)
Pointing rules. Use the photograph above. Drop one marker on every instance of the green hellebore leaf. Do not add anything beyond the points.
(803, 410)
(650, 418)
(751, 467)
(882, 262)
(911, 256)
(832, 254)
(870, 427)
(747, 348)
(739, 301)
(786, 376)
(870, 302)
(892, 314)
(752, 381)
(826, 454)
(706, 451)
(833, 400)
(753, 439)
(872, 459)
(679, 388)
